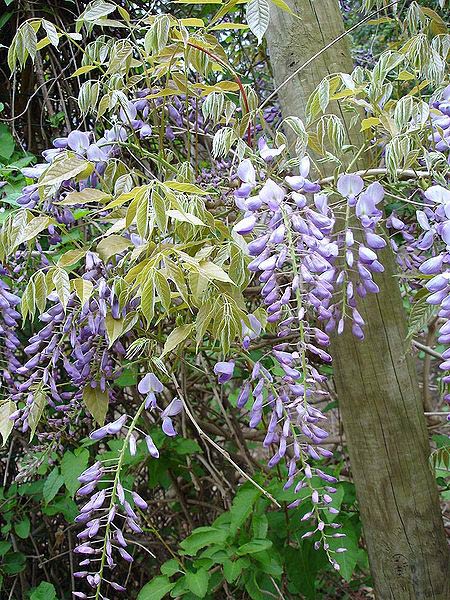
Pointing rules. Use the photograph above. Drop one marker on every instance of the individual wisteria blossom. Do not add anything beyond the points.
(224, 371)
(150, 386)
(266, 153)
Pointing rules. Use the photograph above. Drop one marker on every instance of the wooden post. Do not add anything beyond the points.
(376, 380)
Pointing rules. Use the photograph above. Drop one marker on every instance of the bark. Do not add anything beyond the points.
(376, 380)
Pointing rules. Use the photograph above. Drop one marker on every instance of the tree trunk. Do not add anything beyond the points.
(376, 380)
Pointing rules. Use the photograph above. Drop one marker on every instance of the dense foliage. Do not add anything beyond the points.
(172, 272)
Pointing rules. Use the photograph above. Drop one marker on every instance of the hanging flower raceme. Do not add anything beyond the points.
(109, 512)
(9, 325)
(311, 267)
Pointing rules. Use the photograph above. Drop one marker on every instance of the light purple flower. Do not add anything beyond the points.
(266, 153)
(350, 186)
(150, 383)
(174, 408)
(245, 226)
(78, 141)
(272, 194)
(224, 370)
(168, 428)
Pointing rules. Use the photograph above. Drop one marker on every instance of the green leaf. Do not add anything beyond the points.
(257, 13)
(213, 272)
(170, 567)
(13, 563)
(179, 215)
(253, 547)
(44, 591)
(22, 528)
(37, 408)
(83, 70)
(72, 465)
(112, 245)
(369, 122)
(83, 197)
(282, 4)
(242, 506)
(188, 188)
(51, 32)
(7, 143)
(163, 290)
(198, 582)
(96, 402)
(178, 335)
(70, 258)
(156, 589)
(159, 208)
(97, 10)
(259, 526)
(201, 537)
(33, 228)
(52, 485)
(232, 569)
(148, 300)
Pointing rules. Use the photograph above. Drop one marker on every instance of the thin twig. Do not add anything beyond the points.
(402, 173)
(427, 350)
(219, 448)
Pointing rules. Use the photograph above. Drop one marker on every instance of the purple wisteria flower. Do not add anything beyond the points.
(224, 371)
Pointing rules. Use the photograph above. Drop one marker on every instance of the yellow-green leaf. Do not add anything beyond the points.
(96, 402)
(37, 408)
(163, 290)
(62, 285)
(213, 272)
(6, 410)
(83, 289)
(112, 245)
(179, 215)
(148, 300)
(178, 335)
(65, 168)
(192, 22)
(369, 122)
(34, 228)
(82, 70)
(114, 328)
(188, 188)
(282, 4)
(71, 257)
(405, 76)
(86, 195)
(221, 26)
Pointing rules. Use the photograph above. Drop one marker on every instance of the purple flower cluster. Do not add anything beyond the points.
(440, 120)
(70, 352)
(434, 221)
(107, 515)
(102, 539)
(309, 270)
(9, 319)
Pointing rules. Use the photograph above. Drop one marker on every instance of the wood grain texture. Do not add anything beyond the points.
(376, 380)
